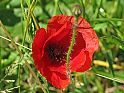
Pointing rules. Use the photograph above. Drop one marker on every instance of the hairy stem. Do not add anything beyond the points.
(70, 48)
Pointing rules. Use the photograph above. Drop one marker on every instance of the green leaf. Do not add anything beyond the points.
(110, 61)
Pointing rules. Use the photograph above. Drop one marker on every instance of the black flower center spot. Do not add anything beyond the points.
(56, 53)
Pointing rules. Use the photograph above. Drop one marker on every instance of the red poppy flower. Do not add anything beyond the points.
(50, 47)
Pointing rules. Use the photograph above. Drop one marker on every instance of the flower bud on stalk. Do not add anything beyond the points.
(77, 10)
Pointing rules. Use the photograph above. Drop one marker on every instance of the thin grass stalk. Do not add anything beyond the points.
(35, 22)
(30, 10)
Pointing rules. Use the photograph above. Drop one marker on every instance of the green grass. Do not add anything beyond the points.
(21, 18)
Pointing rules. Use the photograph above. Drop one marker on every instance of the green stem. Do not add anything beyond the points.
(35, 22)
(56, 6)
(59, 9)
(19, 75)
(22, 9)
(15, 43)
(18, 78)
(69, 52)
(70, 48)
(31, 8)
(82, 4)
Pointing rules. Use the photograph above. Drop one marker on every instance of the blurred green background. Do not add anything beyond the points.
(105, 16)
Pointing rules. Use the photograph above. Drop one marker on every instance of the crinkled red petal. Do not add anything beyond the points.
(87, 64)
(91, 43)
(90, 38)
(56, 22)
(78, 61)
(56, 79)
(37, 46)
(80, 46)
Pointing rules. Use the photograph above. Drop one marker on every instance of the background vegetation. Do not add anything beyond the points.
(19, 18)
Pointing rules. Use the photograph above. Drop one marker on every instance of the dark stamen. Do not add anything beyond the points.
(56, 53)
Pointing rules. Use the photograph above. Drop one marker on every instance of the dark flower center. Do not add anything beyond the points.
(56, 53)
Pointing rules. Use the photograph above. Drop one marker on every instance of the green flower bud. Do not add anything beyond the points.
(77, 10)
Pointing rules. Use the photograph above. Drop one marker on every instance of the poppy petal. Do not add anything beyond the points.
(78, 55)
(56, 79)
(91, 42)
(78, 61)
(87, 64)
(90, 38)
(53, 66)
(55, 38)
(54, 73)
(83, 24)
(88, 34)
(37, 45)
(80, 46)
(56, 22)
